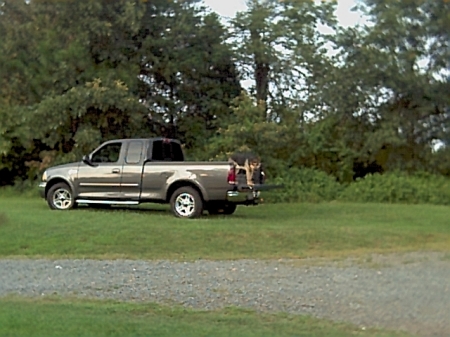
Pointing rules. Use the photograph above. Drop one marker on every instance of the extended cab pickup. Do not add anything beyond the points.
(134, 171)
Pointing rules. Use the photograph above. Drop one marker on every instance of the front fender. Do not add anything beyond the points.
(55, 180)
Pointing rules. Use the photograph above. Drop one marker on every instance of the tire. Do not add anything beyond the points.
(226, 209)
(214, 208)
(186, 203)
(229, 209)
(60, 197)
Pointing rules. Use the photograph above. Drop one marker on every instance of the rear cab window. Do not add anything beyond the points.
(166, 150)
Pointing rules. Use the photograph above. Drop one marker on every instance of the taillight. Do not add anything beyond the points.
(232, 175)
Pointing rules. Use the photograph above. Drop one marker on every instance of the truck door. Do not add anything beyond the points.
(132, 170)
(102, 180)
(157, 172)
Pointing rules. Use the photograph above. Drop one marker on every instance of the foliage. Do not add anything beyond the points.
(399, 187)
(74, 74)
(281, 145)
(187, 75)
(367, 99)
(281, 51)
(245, 132)
(308, 185)
(440, 161)
(304, 185)
(53, 85)
(393, 72)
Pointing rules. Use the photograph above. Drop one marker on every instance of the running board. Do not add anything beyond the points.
(106, 202)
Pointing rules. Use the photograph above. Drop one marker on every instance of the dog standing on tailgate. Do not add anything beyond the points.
(251, 164)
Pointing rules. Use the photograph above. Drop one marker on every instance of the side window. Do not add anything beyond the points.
(109, 153)
(134, 152)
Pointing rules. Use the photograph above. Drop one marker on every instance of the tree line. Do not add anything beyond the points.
(347, 101)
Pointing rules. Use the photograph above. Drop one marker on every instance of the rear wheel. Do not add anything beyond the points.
(186, 202)
(229, 209)
(60, 197)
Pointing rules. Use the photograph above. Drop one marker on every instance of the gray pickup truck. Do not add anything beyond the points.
(134, 171)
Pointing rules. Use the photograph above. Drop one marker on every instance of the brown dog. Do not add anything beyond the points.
(251, 164)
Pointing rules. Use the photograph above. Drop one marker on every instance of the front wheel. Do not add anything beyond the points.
(60, 197)
(186, 202)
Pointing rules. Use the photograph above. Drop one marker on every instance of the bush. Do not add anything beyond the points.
(25, 188)
(399, 187)
(304, 185)
(309, 185)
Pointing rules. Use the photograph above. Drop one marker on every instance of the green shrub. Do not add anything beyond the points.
(398, 187)
(308, 185)
(25, 188)
(304, 185)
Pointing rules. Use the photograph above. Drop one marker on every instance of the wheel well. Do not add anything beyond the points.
(53, 182)
(179, 184)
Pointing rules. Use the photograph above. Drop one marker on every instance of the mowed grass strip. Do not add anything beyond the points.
(57, 317)
(30, 229)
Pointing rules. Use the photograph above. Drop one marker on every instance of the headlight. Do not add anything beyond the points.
(44, 176)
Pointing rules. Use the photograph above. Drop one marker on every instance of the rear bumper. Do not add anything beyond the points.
(245, 198)
(249, 196)
(42, 187)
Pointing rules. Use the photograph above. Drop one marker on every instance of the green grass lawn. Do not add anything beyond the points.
(56, 317)
(28, 228)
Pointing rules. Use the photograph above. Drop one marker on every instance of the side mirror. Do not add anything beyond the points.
(88, 161)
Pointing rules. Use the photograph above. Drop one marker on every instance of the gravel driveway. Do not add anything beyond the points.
(408, 292)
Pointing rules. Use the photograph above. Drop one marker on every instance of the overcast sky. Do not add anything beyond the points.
(228, 8)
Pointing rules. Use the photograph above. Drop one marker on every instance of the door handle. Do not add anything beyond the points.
(115, 171)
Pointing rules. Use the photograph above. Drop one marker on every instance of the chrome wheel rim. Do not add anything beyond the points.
(185, 204)
(62, 199)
